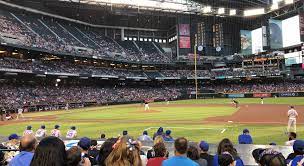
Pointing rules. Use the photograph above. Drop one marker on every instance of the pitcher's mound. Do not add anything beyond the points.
(146, 112)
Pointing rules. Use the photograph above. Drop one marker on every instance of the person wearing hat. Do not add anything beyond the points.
(298, 150)
(292, 119)
(160, 132)
(144, 137)
(292, 136)
(268, 157)
(245, 138)
(28, 131)
(72, 133)
(85, 144)
(40, 133)
(204, 147)
(168, 137)
(56, 132)
(12, 143)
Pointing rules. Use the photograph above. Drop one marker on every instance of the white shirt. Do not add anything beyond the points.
(27, 132)
(290, 143)
(20, 110)
(292, 114)
(40, 133)
(71, 134)
(55, 133)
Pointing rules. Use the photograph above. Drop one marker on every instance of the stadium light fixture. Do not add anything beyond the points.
(232, 12)
(135, 39)
(288, 2)
(274, 6)
(164, 41)
(221, 11)
(254, 12)
(207, 9)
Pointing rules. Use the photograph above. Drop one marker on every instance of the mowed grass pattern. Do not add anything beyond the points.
(262, 134)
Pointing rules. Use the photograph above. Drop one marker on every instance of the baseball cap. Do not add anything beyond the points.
(256, 153)
(204, 146)
(84, 143)
(273, 144)
(298, 145)
(73, 128)
(13, 136)
(245, 131)
(145, 133)
(43, 126)
(29, 127)
(125, 132)
(168, 132)
(57, 126)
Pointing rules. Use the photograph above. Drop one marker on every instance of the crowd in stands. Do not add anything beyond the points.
(34, 149)
(61, 37)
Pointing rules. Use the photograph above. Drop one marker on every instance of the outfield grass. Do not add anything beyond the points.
(168, 117)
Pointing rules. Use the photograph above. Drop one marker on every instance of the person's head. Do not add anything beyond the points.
(13, 137)
(245, 131)
(226, 146)
(292, 107)
(125, 132)
(42, 127)
(28, 143)
(84, 143)
(160, 150)
(28, 127)
(145, 133)
(102, 136)
(160, 131)
(204, 146)
(125, 152)
(298, 147)
(158, 139)
(193, 153)
(181, 146)
(93, 144)
(168, 132)
(256, 154)
(292, 136)
(73, 156)
(73, 128)
(49, 152)
(105, 149)
(226, 159)
(271, 157)
(56, 127)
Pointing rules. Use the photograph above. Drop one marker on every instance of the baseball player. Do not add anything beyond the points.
(262, 100)
(56, 132)
(40, 133)
(292, 115)
(28, 131)
(72, 133)
(67, 107)
(147, 108)
(236, 103)
(20, 113)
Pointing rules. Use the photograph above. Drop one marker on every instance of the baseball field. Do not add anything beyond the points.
(205, 119)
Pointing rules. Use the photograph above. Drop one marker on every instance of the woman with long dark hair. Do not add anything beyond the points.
(50, 152)
(105, 150)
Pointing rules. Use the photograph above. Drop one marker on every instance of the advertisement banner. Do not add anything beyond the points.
(184, 42)
(184, 29)
(301, 17)
(236, 95)
(276, 35)
(259, 95)
(246, 42)
(289, 94)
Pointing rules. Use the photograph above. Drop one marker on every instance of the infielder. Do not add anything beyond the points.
(28, 131)
(292, 115)
(20, 113)
(262, 100)
(147, 108)
(56, 132)
(40, 133)
(72, 133)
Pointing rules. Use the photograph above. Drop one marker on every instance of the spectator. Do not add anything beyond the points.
(50, 152)
(74, 156)
(168, 137)
(102, 137)
(193, 154)
(27, 148)
(292, 136)
(204, 146)
(160, 153)
(226, 146)
(28, 131)
(105, 150)
(269, 157)
(85, 144)
(180, 159)
(245, 138)
(93, 152)
(145, 137)
(150, 153)
(125, 152)
(160, 132)
(40, 133)
(298, 150)
(226, 159)
(12, 143)
(56, 132)
(72, 133)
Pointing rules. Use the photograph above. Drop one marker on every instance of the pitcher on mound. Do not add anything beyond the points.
(147, 108)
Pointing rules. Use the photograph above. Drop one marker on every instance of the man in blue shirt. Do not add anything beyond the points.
(245, 138)
(180, 158)
(27, 148)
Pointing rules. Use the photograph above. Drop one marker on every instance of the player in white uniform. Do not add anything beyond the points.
(20, 113)
(72, 133)
(262, 100)
(147, 108)
(40, 133)
(292, 115)
(28, 131)
(56, 132)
